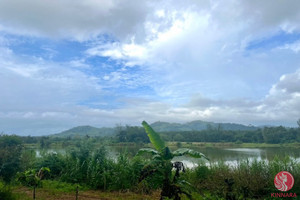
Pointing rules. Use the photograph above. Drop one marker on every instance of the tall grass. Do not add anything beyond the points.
(253, 180)
(96, 170)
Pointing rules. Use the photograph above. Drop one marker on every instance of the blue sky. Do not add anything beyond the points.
(105, 62)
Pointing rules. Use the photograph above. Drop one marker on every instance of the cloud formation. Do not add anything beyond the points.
(68, 63)
(72, 19)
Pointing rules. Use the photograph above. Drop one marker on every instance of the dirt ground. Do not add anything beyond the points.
(41, 194)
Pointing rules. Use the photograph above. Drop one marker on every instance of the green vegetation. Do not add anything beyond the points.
(199, 126)
(172, 185)
(196, 131)
(56, 190)
(269, 135)
(85, 131)
(132, 134)
(89, 131)
(231, 145)
(245, 181)
(6, 192)
(32, 178)
(87, 162)
(10, 156)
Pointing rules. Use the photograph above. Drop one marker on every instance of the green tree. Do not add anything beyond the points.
(122, 136)
(10, 154)
(274, 135)
(173, 186)
(178, 137)
(45, 142)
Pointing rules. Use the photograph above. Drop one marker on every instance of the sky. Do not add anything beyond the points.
(105, 62)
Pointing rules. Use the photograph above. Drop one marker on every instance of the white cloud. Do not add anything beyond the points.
(205, 42)
(176, 49)
(142, 19)
(76, 19)
(281, 105)
(293, 46)
(41, 85)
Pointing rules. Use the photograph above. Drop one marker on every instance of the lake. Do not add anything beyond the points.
(230, 156)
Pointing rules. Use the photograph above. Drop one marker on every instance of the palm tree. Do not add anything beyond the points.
(173, 186)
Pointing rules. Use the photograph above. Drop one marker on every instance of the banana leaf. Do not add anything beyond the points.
(146, 151)
(189, 152)
(154, 137)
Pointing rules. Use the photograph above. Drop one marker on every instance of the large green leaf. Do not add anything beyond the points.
(150, 169)
(166, 153)
(185, 188)
(189, 152)
(147, 151)
(154, 137)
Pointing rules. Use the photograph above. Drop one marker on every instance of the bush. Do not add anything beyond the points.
(5, 192)
(10, 154)
(55, 162)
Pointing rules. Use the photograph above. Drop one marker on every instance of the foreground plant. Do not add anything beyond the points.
(173, 186)
(32, 178)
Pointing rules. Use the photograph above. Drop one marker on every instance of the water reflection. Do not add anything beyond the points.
(233, 156)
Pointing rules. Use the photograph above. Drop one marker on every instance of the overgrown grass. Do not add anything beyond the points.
(6, 192)
(62, 187)
(247, 180)
(101, 177)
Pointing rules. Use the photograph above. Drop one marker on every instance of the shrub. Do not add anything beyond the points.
(5, 192)
(10, 154)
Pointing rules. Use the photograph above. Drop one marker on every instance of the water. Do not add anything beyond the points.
(41, 152)
(230, 156)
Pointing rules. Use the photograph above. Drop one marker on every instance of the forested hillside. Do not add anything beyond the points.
(86, 131)
(271, 135)
(199, 125)
(196, 131)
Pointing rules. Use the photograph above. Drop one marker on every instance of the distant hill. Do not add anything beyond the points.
(157, 126)
(198, 126)
(86, 130)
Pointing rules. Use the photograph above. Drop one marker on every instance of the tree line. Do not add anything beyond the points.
(270, 135)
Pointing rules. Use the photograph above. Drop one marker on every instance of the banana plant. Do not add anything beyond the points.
(32, 178)
(173, 186)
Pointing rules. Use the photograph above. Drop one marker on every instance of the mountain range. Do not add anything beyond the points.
(198, 126)
(157, 126)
